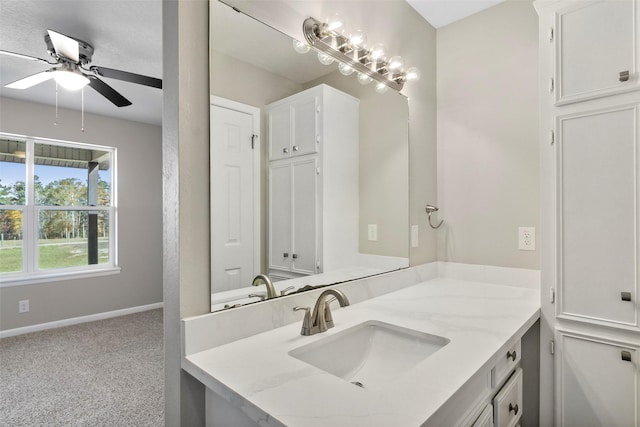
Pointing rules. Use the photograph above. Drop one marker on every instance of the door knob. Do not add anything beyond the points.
(623, 76)
(285, 150)
(625, 355)
(294, 256)
(286, 255)
(295, 148)
(625, 296)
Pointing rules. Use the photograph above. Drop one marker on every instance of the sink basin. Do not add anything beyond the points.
(370, 354)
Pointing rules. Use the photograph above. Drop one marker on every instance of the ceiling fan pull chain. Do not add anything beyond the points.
(82, 125)
(56, 122)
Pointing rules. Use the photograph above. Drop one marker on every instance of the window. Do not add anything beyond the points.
(57, 209)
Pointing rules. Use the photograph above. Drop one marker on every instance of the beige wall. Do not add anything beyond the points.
(139, 218)
(488, 178)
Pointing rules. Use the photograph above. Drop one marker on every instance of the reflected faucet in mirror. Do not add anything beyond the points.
(271, 291)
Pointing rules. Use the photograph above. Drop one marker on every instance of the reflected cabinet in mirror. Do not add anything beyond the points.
(309, 168)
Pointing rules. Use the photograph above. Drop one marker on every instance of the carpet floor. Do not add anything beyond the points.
(104, 373)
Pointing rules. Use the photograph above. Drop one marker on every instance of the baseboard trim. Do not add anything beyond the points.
(78, 320)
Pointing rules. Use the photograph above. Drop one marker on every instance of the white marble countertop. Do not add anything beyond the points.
(258, 375)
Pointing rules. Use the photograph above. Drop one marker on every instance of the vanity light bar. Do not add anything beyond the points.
(318, 36)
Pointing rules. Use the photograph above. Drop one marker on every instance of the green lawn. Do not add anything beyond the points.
(53, 253)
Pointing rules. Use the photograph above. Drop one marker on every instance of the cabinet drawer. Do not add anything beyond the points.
(507, 405)
(486, 418)
(506, 364)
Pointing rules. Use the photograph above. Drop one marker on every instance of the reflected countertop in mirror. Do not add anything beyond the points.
(259, 74)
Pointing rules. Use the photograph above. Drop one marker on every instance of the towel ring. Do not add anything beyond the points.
(431, 209)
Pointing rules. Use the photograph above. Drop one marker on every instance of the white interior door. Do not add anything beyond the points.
(234, 199)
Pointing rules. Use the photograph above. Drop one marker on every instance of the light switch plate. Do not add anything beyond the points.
(414, 236)
(373, 232)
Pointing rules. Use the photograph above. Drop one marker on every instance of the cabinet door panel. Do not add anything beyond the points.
(279, 132)
(595, 42)
(595, 386)
(305, 227)
(280, 216)
(598, 219)
(305, 126)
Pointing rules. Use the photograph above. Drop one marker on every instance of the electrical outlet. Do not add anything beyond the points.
(414, 236)
(527, 238)
(23, 306)
(373, 232)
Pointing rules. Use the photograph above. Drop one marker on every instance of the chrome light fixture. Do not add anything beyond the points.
(352, 54)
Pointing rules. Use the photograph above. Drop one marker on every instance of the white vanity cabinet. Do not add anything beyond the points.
(596, 49)
(597, 381)
(590, 220)
(292, 125)
(313, 189)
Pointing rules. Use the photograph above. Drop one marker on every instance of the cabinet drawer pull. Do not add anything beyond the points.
(285, 150)
(286, 255)
(294, 256)
(626, 355)
(625, 296)
(295, 148)
(513, 408)
(624, 76)
(512, 355)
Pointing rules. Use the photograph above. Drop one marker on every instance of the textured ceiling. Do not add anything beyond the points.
(126, 35)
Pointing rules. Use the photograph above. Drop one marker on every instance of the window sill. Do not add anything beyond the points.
(32, 279)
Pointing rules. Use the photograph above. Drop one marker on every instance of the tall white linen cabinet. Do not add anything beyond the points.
(590, 217)
(313, 192)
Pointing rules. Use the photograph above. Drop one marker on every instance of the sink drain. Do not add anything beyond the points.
(358, 383)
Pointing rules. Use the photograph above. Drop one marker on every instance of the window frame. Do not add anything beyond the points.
(31, 272)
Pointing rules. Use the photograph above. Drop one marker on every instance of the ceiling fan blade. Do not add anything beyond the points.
(28, 57)
(65, 45)
(108, 92)
(128, 77)
(32, 80)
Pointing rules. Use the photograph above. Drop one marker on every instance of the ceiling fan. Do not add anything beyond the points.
(71, 69)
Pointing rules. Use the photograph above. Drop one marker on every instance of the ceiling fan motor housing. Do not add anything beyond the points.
(85, 50)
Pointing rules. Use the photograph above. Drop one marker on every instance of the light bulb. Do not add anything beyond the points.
(363, 79)
(324, 58)
(345, 69)
(70, 80)
(358, 39)
(381, 87)
(378, 53)
(301, 47)
(396, 64)
(336, 25)
(412, 74)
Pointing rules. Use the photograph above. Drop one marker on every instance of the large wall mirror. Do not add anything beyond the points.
(349, 195)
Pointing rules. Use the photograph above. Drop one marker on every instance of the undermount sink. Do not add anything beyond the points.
(371, 353)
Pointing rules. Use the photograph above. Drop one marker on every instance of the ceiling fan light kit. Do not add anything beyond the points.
(71, 69)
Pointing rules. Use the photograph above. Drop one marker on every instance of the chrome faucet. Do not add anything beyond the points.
(271, 291)
(321, 319)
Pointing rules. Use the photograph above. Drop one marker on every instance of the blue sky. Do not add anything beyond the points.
(12, 172)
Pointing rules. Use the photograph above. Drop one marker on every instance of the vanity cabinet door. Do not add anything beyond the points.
(305, 125)
(597, 383)
(598, 185)
(305, 219)
(280, 216)
(596, 49)
(279, 132)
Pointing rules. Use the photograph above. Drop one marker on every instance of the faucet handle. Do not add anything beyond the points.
(285, 290)
(306, 323)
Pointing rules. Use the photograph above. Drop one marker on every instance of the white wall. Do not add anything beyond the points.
(488, 171)
(139, 218)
